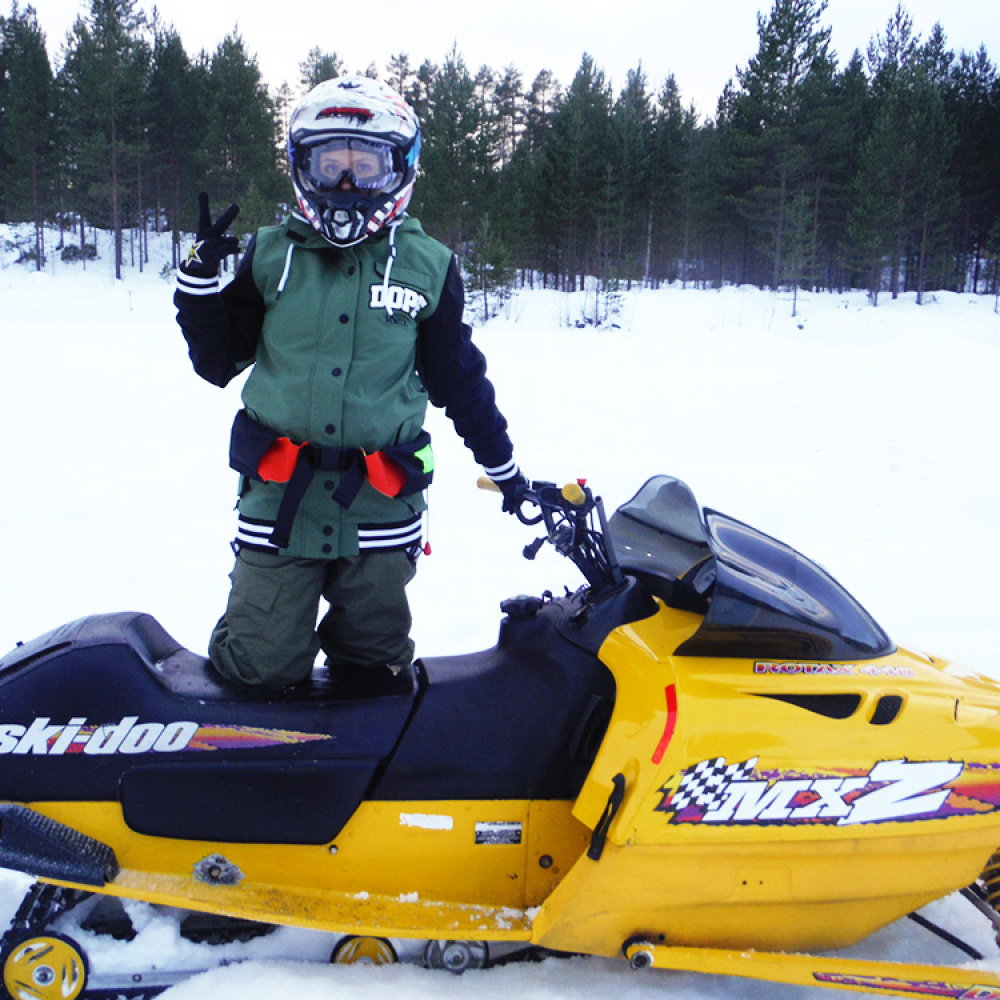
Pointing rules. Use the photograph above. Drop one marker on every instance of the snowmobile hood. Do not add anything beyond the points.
(759, 597)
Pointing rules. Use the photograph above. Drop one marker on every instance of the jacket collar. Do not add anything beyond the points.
(301, 234)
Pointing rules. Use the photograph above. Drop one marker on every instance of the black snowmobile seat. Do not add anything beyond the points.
(189, 675)
(255, 769)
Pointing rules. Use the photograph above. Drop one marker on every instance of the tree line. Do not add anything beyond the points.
(881, 174)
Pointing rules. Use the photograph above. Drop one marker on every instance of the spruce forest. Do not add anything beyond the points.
(879, 171)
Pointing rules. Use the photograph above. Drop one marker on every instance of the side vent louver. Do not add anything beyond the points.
(832, 706)
(843, 706)
(886, 710)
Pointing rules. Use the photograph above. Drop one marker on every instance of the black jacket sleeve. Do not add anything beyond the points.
(222, 329)
(453, 371)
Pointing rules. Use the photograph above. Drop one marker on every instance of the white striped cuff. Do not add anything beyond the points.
(192, 285)
(501, 472)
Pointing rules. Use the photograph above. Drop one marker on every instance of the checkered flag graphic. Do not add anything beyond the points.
(705, 784)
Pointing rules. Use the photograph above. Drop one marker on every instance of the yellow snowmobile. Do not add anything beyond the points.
(708, 758)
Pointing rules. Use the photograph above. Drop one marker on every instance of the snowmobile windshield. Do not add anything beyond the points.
(760, 597)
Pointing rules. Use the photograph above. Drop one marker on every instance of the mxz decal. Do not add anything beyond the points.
(715, 792)
(42, 738)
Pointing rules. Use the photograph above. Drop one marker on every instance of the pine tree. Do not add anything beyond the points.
(178, 114)
(541, 103)
(457, 169)
(489, 274)
(418, 92)
(844, 131)
(767, 125)
(672, 187)
(103, 87)
(905, 187)
(242, 139)
(510, 112)
(798, 246)
(631, 221)
(934, 194)
(399, 72)
(26, 141)
(891, 52)
(319, 66)
(574, 183)
(972, 96)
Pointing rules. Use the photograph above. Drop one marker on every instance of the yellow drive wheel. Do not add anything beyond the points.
(43, 966)
(363, 951)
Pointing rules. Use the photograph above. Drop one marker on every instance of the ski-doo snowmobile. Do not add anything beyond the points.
(710, 758)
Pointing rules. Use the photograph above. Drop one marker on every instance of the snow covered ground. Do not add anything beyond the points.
(864, 437)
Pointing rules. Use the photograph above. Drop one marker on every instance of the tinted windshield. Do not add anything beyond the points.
(760, 597)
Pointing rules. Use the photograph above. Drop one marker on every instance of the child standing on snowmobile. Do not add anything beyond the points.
(352, 319)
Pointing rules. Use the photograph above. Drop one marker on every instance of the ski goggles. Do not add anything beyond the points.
(367, 164)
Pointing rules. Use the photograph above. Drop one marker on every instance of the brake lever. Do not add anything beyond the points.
(524, 519)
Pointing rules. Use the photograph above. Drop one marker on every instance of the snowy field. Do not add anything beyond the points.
(865, 437)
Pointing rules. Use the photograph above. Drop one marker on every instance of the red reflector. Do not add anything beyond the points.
(668, 729)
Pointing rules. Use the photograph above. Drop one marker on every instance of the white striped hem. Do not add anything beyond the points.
(395, 536)
(255, 535)
(192, 285)
(501, 472)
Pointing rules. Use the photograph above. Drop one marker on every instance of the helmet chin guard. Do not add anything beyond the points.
(346, 208)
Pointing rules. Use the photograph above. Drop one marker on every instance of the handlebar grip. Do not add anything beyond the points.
(573, 493)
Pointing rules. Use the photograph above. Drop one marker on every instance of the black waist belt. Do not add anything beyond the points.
(315, 458)
(251, 440)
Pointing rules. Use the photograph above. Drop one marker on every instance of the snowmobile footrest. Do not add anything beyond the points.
(40, 846)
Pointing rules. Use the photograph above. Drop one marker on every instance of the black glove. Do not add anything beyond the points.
(212, 244)
(513, 492)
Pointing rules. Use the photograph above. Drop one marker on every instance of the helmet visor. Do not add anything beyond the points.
(366, 164)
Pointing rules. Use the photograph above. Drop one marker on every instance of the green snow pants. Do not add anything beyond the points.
(268, 635)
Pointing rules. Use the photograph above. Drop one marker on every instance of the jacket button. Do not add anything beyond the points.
(330, 428)
(329, 485)
(327, 530)
(351, 269)
(337, 372)
(344, 318)
(327, 549)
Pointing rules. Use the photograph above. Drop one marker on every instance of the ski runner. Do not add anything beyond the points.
(352, 319)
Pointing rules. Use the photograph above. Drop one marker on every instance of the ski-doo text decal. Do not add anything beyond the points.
(131, 736)
(832, 669)
(713, 791)
(908, 987)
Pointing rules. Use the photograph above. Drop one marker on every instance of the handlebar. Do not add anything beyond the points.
(575, 525)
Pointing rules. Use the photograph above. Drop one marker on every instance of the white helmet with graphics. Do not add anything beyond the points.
(354, 150)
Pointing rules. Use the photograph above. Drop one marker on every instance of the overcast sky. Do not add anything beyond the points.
(702, 42)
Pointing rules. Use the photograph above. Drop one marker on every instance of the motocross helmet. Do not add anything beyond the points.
(354, 150)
